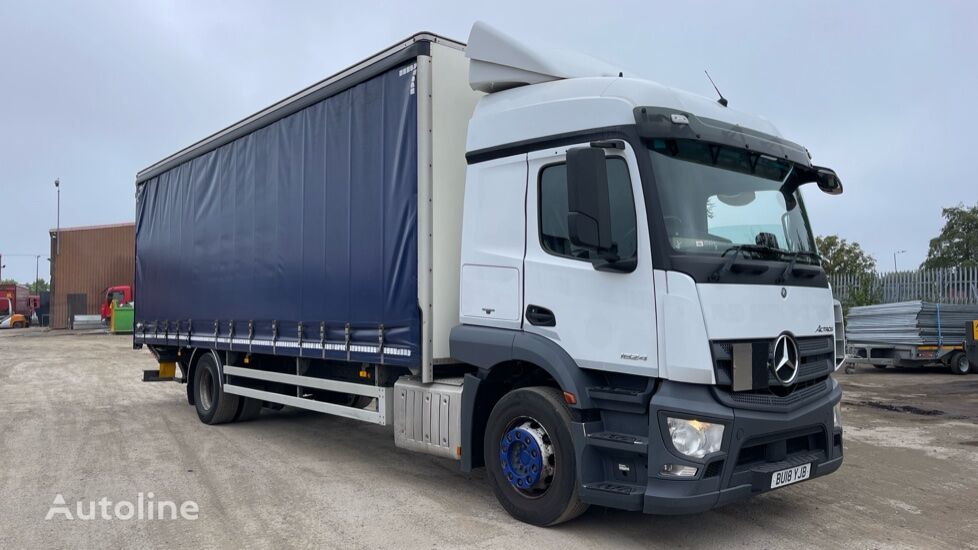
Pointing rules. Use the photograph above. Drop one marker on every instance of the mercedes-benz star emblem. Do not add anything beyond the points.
(785, 365)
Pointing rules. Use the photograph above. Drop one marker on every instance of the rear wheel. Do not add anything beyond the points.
(346, 399)
(959, 364)
(20, 324)
(362, 402)
(530, 458)
(249, 408)
(214, 406)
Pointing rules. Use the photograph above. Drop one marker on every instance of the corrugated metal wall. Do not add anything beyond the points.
(90, 260)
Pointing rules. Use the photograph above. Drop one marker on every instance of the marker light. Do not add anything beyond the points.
(695, 438)
(837, 415)
(678, 470)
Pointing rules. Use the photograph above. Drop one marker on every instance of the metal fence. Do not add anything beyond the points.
(948, 286)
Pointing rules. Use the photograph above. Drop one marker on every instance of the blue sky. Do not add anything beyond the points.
(884, 92)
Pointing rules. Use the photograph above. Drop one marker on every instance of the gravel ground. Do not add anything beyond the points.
(76, 420)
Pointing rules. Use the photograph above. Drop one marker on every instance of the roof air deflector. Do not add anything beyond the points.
(499, 62)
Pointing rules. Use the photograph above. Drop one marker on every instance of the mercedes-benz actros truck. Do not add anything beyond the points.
(601, 289)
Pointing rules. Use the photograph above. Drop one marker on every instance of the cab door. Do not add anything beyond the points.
(604, 319)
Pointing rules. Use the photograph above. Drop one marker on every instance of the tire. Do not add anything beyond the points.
(959, 364)
(19, 324)
(249, 408)
(362, 402)
(212, 404)
(536, 413)
(346, 399)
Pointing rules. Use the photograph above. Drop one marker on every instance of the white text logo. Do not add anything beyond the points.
(145, 507)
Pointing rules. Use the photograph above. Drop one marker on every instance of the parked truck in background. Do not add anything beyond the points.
(120, 294)
(15, 306)
(603, 290)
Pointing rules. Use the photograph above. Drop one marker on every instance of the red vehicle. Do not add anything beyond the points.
(122, 294)
(15, 307)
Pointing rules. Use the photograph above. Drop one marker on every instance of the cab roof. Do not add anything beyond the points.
(537, 91)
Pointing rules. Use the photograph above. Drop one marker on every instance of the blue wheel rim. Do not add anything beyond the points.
(526, 457)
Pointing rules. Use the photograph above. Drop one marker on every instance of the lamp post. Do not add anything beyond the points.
(57, 231)
(37, 260)
(894, 258)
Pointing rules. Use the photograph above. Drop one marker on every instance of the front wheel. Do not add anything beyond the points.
(530, 457)
(959, 364)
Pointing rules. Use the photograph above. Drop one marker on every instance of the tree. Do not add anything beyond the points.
(39, 286)
(957, 245)
(841, 256)
(860, 286)
(8, 282)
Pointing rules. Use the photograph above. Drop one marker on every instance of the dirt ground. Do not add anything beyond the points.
(76, 420)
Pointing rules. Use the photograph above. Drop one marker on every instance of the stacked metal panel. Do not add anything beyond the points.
(910, 323)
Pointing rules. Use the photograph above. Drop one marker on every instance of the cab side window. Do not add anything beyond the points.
(553, 211)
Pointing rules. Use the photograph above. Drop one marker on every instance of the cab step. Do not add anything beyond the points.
(614, 494)
(622, 399)
(619, 442)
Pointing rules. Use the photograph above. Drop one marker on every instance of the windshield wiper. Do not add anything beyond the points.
(804, 253)
(737, 251)
(807, 273)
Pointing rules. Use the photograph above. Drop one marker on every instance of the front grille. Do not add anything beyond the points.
(817, 357)
(767, 399)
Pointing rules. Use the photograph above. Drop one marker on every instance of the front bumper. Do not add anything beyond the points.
(756, 444)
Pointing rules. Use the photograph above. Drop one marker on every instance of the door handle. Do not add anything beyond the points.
(540, 316)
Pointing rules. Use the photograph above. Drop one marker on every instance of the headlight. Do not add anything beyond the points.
(837, 415)
(695, 438)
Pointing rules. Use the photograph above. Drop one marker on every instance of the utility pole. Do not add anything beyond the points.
(37, 260)
(894, 259)
(57, 231)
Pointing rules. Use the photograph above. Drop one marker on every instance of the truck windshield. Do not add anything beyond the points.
(715, 197)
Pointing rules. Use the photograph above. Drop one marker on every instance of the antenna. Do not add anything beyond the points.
(722, 100)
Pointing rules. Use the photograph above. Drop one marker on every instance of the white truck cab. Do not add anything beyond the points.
(657, 243)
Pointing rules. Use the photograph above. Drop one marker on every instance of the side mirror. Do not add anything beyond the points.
(828, 181)
(588, 206)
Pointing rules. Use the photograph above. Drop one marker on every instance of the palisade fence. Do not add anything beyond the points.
(947, 286)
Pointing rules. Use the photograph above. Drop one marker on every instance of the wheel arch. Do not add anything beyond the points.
(490, 348)
(508, 360)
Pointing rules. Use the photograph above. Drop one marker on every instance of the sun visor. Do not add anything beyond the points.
(660, 122)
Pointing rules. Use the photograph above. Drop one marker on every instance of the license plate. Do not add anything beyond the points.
(790, 475)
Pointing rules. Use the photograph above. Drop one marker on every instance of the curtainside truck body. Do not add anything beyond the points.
(603, 290)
